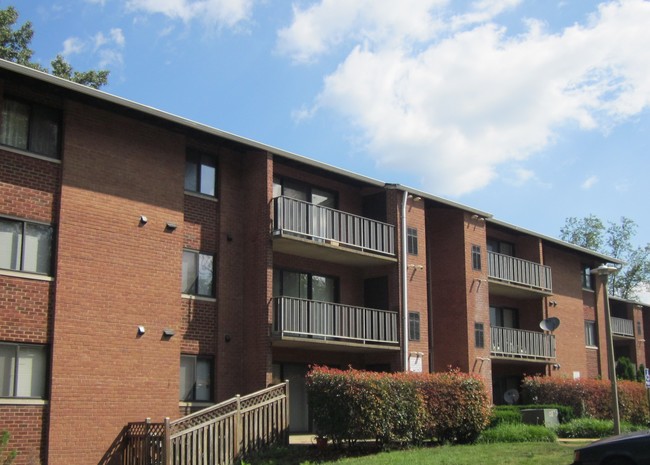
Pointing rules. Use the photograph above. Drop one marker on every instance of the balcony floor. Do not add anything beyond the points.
(328, 251)
(331, 345)
(517, 291)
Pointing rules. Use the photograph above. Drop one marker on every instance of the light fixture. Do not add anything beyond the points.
(168, 332)
(143, 220)
(170, 226)
(141, 330)
(417, 199)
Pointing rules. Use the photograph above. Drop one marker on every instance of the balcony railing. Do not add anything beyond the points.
(520, 272)
(327, 321)
(311, 221)
(622, 327)
(518, 343)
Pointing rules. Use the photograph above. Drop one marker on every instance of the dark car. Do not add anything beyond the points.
(624, 449)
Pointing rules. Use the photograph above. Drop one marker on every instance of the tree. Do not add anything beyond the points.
(15, 46)
(614, 240)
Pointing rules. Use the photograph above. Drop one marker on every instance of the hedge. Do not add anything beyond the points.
(590, 397)
(351, 405)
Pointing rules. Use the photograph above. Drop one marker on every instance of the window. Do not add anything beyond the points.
(414, 326)
(300, 191)
(30, 127)
(196, 378)
(590, 333)
(502, 247)
(25, 246)
(412, 240)
(201, 174)
(479, 335)
(504, 317)
(304, 286)
(198, 274)
(22, 370)
(639, 331)
(476, 257)
(587, 277)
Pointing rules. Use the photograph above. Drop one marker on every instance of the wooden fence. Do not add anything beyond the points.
(217, 435)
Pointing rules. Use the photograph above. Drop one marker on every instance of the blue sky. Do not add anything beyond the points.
(532, 110)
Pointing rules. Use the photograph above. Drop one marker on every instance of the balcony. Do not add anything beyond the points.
(522, 345)
(622, 327)
(515, 277)
(311, 231)
(306, 323)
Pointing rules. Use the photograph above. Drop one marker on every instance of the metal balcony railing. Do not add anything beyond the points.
(311, 221)
(622, 327)
(519, 343)
(521, 272)
(330, 321)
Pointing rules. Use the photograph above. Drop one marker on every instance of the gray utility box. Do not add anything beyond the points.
(540, 416)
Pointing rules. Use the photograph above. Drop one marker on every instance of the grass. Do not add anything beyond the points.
(534, 453)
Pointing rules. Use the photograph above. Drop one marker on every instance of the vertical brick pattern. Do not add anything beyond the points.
(417, 269)
(112, 275)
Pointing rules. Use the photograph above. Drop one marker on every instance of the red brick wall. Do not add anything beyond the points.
(417, 280)
(27, 425)
(459, 294)
(113, 275)
(28, 190)
(570, 309)
(639, 339)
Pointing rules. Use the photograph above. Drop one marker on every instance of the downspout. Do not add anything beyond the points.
(405, 304)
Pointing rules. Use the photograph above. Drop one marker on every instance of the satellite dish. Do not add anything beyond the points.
(511, 396)
(550, 324)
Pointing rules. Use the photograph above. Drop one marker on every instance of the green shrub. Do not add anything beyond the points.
(592, 428)
(505, 414)
(517, 433)
(625, 369)
(589, 397)
(351, 405)
(640, 373)
(6, 456)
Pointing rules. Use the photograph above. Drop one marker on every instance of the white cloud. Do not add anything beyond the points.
(213, 12)
(452, 97)
(107, 47)
(72, 46)
(590, 182)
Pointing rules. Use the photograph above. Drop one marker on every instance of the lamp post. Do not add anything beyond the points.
(604, 271)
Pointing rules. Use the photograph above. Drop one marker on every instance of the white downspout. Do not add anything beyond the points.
(405, 305)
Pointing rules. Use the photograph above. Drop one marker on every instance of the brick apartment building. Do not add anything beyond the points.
(151, 266)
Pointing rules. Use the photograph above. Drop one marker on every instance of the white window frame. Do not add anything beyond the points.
(27, 374)
(198, 388)
(23, 257)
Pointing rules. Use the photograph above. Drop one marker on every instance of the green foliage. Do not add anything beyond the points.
(640, 374)
(15, 46)
(509, 432)
(590, 397)
(351, 405)
(592, 428)
(614, 240)
(6, 456)
(505, 414)
(625, 369)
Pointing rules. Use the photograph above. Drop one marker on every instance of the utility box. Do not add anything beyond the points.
(540, 416)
